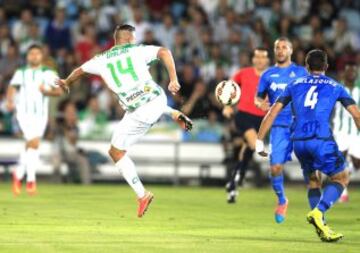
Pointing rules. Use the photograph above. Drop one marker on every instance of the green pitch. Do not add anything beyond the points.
(99, 218)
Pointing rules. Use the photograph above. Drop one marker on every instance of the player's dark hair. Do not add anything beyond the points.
(125, 27)
(263, 49)
(34, 46)
(316, 60)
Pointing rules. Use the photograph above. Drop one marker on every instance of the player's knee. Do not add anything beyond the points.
(276, 169)
(33, 144)
(314, 181)
(116, 154)
(341, 178)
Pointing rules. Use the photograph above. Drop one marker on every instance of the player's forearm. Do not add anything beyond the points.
(268, 120)
(10, 94)
(261, 103)
(54, 92)
(166, 57)
(258, 101)
(74, 76)
(355, 113)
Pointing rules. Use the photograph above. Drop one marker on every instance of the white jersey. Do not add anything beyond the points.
(30, 102)
(125, 69)
(343, 123)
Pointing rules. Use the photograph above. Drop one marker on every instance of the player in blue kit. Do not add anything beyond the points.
(313, 99)
(272, 84)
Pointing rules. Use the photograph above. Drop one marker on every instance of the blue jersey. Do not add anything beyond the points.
(273, 82)
(313, 99)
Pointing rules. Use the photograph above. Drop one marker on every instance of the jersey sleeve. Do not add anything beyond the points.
(17, 79)
(345, 98)
(285, 97)
(263, 86)
(150, 53)
(92, 66)
(237, 78)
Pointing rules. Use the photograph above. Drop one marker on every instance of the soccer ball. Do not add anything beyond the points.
(227, 92)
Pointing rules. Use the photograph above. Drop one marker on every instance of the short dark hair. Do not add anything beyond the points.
(125, 27)
(264, 49)
(316, 60)
(34, 46)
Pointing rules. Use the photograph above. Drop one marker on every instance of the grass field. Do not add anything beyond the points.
(102, 218)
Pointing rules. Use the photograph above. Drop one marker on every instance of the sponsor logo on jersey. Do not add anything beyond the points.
(274, 75)
(292, 74)
(300, 80)
(135, 95)
(275, 86)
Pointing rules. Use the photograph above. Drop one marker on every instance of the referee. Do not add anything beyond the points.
(247, 117)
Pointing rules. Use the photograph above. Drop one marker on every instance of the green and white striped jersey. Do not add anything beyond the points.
(125, 70)
(29, 99)
(343, 123)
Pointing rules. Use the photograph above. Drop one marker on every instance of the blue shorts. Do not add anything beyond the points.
(321, 155)
(281, 145)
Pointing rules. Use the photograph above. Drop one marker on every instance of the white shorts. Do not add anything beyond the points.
(349, 143)
(135, 124)
(32, 126)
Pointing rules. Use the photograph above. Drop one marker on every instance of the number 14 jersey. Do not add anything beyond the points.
(125, 69)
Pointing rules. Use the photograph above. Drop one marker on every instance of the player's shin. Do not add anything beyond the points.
(331, 194)
(245, 163)
(314, 195)
(277, 183)
(127, 167)
(31, 164)
(20, 169)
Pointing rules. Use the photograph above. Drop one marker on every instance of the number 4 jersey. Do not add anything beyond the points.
(313, 99)
(125, 69)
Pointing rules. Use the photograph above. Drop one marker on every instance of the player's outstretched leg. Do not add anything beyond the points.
(277, 183)
(127, 167)
(331, 194)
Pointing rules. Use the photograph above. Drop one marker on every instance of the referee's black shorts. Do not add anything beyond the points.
(245, 121)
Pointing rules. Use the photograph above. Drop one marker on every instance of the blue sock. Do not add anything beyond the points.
(331, 194)
(277, 183)
(314, 196)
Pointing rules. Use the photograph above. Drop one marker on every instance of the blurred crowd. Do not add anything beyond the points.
(210, 40)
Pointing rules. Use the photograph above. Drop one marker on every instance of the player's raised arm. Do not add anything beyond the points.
(75, 75)
(166, 57)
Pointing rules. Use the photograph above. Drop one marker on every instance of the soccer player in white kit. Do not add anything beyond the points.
(125, 70)
(345, 131)
(28, 94)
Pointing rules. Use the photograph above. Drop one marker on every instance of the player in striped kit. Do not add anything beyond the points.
(125, 70)
(28, 94)
(345, 131)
